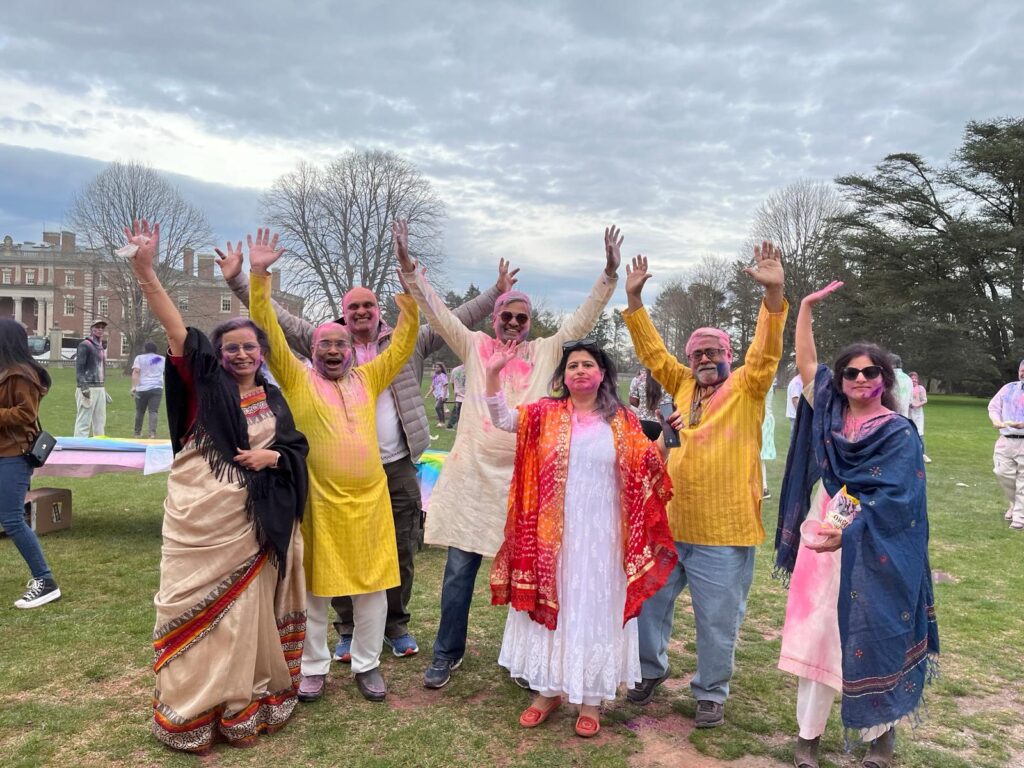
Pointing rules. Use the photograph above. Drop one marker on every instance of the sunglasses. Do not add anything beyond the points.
(521, 317)
(233, 349)
(714, 354)
(588, 344)
(871, 373)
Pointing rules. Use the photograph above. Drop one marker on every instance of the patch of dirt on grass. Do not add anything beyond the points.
(412, 698)
(665, 743)
(996, 702)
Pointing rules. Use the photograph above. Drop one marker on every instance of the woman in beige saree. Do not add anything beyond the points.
(230, 609)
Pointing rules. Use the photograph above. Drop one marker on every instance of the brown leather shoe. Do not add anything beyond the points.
(806, 753)
(880, 753)
(371, 684)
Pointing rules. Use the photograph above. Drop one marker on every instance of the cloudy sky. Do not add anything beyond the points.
(538, 123)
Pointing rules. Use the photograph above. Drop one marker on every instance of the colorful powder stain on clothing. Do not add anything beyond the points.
(427, 471)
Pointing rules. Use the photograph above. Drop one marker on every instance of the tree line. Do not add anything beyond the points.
(933, 256)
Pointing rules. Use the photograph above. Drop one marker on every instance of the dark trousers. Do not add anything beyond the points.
(404, 489)
(439, 410)
(147, 400)
(454, 413)
(460, 571)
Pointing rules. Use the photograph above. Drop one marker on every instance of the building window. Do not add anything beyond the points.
(100, 282)
(124, 345)
(183, 303)
(69, 305)
(5, 276)
(30, 277)
(102, 306)
(225, 303)
(69, 279)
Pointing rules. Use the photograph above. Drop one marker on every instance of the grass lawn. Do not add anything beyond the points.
(75, 681)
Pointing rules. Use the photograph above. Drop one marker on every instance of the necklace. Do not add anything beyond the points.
(701, 397)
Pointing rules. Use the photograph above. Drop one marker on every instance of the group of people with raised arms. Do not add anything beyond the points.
(286, 498)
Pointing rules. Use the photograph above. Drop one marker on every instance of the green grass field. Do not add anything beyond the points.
(75, 681)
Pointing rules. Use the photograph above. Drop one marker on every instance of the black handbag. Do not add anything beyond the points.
(39, 451)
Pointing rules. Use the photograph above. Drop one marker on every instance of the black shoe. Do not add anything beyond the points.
(39, 592)
(644, 690)
(371, 684)
(522, 682)
(440, 672)
(710, 714)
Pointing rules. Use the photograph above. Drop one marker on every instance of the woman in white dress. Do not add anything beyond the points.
(586, 538)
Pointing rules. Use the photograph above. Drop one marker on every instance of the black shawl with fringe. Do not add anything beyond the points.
(276, 497)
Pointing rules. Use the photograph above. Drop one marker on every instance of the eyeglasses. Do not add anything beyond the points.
(521, 317)
(870, 373)
(233, 349)
(325, 345)
(588, 344)
(714, 354)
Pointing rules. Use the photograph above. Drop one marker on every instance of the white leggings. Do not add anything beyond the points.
(814, 704)
(369, 615)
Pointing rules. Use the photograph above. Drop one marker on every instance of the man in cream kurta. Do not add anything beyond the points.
(468, 505)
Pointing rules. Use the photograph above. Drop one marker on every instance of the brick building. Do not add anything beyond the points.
(59, 290)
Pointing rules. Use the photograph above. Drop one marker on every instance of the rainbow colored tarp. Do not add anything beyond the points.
(88, 456)
(428, 470)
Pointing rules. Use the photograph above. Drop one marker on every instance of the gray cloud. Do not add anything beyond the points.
(677, 119)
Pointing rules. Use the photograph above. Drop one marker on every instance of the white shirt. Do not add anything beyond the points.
(793, 393)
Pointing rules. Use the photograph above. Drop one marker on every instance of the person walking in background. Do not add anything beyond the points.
(715, 514)
(147, 387)
(793, 392)
(1006, 412)
(586, 538)
(860, 611)
(904, 386)
(645, 397)
(23, 383)
(918, 398)
(90, 374)
(767, 440)
(468, 506)
(458, 381)
(439, 387)
(403, 426)
(231, 605)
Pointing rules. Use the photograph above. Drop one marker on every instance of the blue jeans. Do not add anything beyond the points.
(15, 474)
(456, 594)
(719, 579)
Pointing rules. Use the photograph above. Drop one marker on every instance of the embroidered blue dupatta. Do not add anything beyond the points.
(886, 604)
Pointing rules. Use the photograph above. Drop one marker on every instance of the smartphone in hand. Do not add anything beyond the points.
(671, 436)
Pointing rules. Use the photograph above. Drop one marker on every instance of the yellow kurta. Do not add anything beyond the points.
(348, 530)
(716, 470)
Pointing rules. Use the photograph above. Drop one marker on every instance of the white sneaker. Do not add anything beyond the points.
(926, 459)
(1009, 514)
(39, 592)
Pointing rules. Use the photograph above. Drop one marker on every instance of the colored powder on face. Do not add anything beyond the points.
(723, 369)
(877, 391)
(586, 385)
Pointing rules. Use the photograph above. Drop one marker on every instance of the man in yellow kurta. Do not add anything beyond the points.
(715, 513)
(348, 528)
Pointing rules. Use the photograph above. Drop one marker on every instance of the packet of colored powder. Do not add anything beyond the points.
(842, 509)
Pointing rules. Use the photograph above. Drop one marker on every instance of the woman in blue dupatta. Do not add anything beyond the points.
(860, 617)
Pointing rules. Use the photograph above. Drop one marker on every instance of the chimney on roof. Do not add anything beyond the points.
(205, 267)
(52, 238)
(67, 242)
(187, 262)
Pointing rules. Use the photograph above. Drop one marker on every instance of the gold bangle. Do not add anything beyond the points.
(145, 282)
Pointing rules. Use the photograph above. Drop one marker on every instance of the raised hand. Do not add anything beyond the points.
(767, 268)
(636, 276)
(230, 263)
(612, 243)
(400, 241)
(147, 242)
(263, 251)
(506, 280)
(500, 357)
(813, 298)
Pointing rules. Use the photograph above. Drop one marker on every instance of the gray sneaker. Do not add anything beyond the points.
(643, 692)
(710, 714)
(440, 672)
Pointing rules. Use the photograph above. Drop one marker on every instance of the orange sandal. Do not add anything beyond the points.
(587, 726)
(533, 716)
